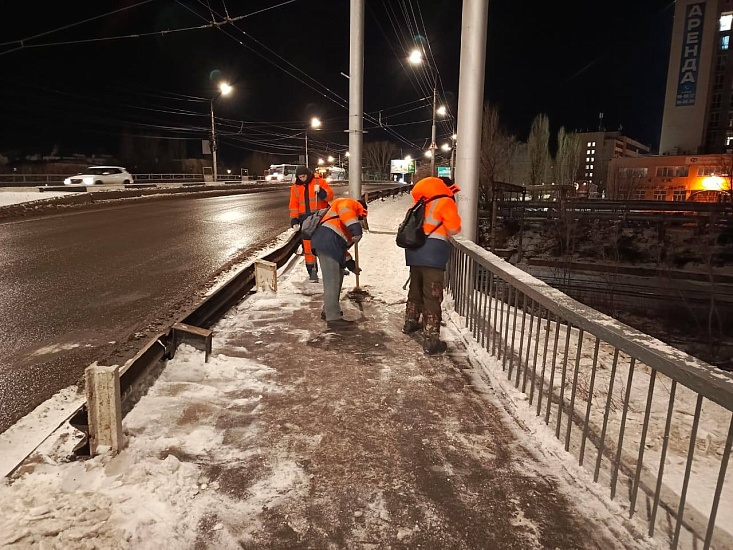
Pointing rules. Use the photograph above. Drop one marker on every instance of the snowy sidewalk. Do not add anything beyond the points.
(296, 437)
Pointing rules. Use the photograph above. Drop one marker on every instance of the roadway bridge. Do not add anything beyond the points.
(414, 454)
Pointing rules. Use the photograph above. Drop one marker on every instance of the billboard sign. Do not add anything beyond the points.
(443, 171)
(401, 166)
(690, 61)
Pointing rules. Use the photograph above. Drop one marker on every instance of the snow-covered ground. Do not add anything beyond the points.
(10, 196)
(137, 499)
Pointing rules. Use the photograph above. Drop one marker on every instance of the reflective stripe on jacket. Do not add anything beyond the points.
(303, 199)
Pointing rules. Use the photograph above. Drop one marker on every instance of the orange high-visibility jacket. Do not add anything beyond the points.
(343, 218)
(442, 212)
(303, 196)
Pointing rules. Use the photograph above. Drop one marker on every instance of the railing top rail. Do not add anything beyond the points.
(693, 373)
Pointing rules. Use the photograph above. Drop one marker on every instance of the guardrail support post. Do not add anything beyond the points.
(265, 275)
(105, 408)
(196, 336)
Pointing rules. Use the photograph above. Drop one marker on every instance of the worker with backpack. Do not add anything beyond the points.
(424, 234)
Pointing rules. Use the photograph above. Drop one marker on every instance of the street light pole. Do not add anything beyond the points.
(432, 133)
(306, 147)
(213, 141)
(224, 89)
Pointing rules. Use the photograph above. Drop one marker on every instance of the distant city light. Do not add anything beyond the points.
(713, 183)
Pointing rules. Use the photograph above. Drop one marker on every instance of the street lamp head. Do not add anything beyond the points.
(408, 158)
(445, 147)
(225, 88)
(330, 158)
(429, 154)
(315, 122)
(415, 57)
(441, 110)
(320, 161)
(347, 154)
(454, 137)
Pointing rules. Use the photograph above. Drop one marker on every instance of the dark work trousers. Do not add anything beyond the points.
(426, 289)
(333, 277)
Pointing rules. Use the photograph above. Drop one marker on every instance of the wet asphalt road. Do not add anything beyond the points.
(95, 285)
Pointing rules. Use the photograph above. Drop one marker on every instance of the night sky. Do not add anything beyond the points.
(87, 73)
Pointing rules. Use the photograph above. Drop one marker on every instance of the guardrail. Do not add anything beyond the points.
(642, 408)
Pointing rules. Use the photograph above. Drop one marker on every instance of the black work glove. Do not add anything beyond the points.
(351, 266)
(322, 194)
(294, 222)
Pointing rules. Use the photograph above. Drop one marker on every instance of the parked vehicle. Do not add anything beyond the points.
(101, 175)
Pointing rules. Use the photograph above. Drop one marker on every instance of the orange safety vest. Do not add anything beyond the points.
(298, 203)
(344, 212)
(441, 214)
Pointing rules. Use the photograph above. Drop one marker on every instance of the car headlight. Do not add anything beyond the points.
(88, 180)
(67, 181)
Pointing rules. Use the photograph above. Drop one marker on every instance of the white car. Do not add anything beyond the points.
(100, 175)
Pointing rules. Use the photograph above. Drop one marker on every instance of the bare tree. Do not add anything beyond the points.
(623, 183)
(377, 156)
(568, 157)
(539, 150)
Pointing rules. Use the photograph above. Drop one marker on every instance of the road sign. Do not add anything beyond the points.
(443, 171)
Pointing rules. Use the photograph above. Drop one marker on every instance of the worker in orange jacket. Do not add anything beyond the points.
(427, 263)
(308, 193)
(340, 228)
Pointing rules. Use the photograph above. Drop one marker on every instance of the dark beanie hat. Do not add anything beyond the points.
(302, 171)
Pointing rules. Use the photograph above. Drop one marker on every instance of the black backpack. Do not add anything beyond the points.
(313, 221)
(410, 233)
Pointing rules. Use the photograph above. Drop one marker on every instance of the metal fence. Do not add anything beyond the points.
(650, 422)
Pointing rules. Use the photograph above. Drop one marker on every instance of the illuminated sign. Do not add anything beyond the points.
(443, 171)
(690, 62)
(401, 166)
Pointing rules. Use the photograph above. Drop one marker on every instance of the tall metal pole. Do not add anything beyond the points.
(306, 147)
(432, 132)
(470, 104)
(213, 142)
(356, 96)
(453, 160)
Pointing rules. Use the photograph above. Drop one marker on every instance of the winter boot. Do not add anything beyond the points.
(432, 344)
(412, 318)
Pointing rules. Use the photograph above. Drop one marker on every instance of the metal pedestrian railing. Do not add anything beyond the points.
(651, 422)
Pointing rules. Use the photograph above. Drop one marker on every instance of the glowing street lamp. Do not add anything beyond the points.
(315, 124)
(224, 90)
(416, 58)
(330, 159)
